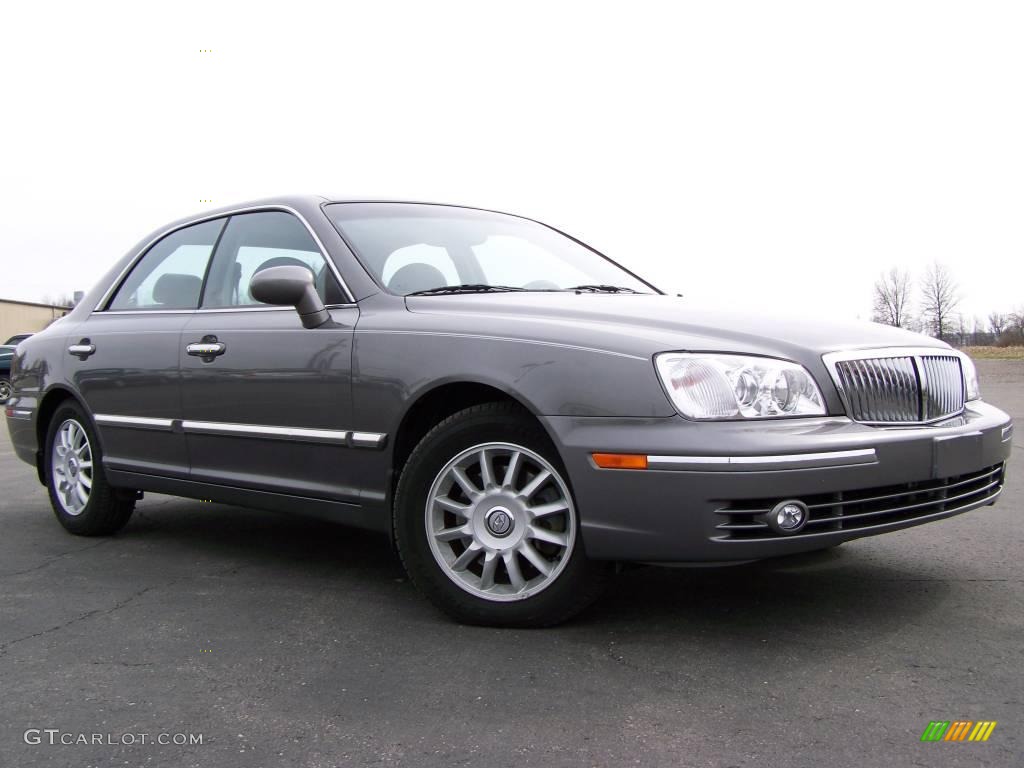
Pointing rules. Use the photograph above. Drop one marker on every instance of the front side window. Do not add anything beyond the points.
(410, 247)
(257, 241)
(170, 275)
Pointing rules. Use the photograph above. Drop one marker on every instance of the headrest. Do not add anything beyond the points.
(177, 291)
(416, 277)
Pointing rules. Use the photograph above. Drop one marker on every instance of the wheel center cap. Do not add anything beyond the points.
(72, 466)
(500, 521)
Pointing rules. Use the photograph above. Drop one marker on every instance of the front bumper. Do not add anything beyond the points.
(703, 475)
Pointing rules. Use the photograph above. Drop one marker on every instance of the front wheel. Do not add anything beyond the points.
(486, 524)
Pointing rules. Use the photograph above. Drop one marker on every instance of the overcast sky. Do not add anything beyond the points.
(768, 156)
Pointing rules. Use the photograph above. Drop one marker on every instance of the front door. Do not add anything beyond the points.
(267, 403)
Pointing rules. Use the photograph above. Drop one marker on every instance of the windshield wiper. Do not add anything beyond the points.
(602, 289)
(465, 288)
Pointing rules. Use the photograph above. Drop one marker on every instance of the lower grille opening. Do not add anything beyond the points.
(865, 507)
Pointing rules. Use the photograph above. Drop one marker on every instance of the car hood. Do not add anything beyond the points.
(647, 324)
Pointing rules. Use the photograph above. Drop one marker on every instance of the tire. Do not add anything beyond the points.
(510, 554)
(5, 389)
(82, 499)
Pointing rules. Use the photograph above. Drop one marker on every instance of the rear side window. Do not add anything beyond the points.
(257, 241)
(170, 275)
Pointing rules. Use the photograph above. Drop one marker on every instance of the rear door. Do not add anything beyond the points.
(271, 408)
(124, 358)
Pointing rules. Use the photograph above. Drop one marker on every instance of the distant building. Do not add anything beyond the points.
(26, 317)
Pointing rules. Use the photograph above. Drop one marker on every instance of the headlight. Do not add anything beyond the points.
(704, 386)
(971, 388)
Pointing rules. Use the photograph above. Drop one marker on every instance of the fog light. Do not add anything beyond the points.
(788, 517)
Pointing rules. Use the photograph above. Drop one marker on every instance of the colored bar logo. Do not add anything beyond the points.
(958, 730)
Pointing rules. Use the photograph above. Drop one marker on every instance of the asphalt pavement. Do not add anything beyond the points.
(284, 641)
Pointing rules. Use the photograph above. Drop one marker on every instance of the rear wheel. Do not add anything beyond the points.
(486, 524)
(82, 499)
(5, 390)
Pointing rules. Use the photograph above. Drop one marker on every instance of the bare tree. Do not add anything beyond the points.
(996, 323)
(961, 330)
(892, 298)
(1015, 322)
(979, 336)
(939, 299)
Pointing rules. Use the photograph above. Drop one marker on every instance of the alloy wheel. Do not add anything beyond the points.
(72, 467)
(500, 521)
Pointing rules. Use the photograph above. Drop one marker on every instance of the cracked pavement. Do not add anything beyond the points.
(291, 641)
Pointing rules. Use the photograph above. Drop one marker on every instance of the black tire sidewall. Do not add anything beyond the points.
(572, 589)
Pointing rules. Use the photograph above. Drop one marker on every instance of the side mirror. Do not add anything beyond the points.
(290, 286)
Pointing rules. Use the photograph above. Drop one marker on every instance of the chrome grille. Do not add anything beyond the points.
(943, 386)
(899, 388)
(881, 389)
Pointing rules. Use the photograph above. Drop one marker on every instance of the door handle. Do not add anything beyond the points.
(82, 349)
(206, 349)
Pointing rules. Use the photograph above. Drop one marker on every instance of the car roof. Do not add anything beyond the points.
(318, 200)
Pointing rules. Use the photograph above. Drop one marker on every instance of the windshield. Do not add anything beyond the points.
(418, 248)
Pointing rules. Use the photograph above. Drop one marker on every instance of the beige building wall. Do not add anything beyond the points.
(24, 317)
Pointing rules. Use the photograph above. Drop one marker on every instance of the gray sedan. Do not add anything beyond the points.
(513, 409)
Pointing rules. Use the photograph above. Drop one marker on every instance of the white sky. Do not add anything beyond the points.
(764, 155)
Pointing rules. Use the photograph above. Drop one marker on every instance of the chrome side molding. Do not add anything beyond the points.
(367, 439)
(134, 422)
(345, 437)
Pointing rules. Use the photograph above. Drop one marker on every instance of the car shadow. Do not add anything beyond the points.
(275, 539)
(848, 595)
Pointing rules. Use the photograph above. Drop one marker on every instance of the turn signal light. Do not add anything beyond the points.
(620, 460)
